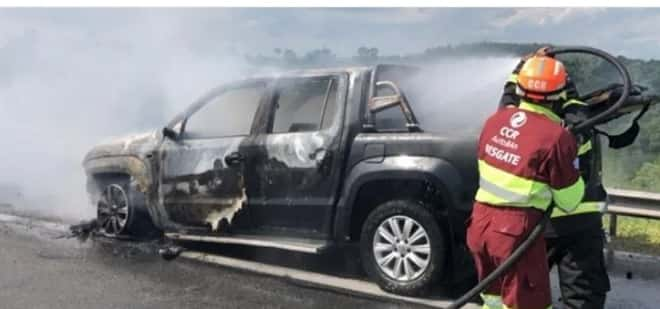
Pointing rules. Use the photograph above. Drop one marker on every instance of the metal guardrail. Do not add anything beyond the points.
(631, 204)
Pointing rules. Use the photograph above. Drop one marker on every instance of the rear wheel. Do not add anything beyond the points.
(402, 247)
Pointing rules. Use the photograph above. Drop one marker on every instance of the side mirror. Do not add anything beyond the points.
(380, 103)
(170, 133)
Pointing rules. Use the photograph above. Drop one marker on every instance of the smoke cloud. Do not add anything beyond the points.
(69, 83)
(72, 78)
(458, 94)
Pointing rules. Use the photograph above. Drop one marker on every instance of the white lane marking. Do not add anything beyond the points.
(244, 241)
(351, 286)
(54, 226)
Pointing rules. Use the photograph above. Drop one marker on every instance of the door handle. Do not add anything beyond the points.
(318, 155)
(234, 158)
(323, 160)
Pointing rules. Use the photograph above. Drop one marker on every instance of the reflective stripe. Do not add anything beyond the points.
(584, 148)
(491, 301)
(540, 68)
(524, 105)
(513, 78)
(502, 193)
(498, 187)
(568, 198)
(516, 307)
(573, 102)
(584, 207)
(558, 67)
(560, 96)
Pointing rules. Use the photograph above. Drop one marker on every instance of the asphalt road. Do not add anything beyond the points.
(39, 271)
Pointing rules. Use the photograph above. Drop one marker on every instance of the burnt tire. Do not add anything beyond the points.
(121, 211)
(403, 248)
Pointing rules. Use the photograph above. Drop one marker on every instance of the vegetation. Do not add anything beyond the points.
(636, 235)
(635, 167)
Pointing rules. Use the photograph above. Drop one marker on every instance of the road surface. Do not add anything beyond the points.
(40, 271)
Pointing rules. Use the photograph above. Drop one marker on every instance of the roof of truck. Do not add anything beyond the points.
(322, 71)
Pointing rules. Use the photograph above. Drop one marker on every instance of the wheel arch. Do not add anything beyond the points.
(423, 178)
(120, 166)
(131, 171)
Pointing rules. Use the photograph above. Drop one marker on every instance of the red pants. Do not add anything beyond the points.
(493, 233)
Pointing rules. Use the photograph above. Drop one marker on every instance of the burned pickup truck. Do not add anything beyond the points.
(305, 161)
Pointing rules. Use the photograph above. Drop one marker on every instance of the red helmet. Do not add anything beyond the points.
(542, 78)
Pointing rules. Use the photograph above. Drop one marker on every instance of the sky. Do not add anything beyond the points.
(631, 32)
(71, 78)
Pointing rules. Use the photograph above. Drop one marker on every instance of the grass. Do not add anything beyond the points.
(635, 235)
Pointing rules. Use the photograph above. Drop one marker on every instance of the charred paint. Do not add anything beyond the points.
(198, 185)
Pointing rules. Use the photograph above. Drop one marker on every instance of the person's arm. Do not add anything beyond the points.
(564, 179)
(574, 112)
(509, 96)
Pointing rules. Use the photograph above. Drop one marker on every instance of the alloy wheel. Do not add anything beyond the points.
(112, 210)
(402, 248)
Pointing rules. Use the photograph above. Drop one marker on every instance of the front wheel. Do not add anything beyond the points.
(402, 247)
(121, 211)
(114, 210)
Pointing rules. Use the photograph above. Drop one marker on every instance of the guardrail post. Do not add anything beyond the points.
(612, 234)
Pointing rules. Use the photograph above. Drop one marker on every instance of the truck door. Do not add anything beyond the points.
(296, 167)
(202, 171)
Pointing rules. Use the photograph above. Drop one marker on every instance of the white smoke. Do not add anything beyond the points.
(467, 90)
(65, 87)
(454, 96)
(68, 82)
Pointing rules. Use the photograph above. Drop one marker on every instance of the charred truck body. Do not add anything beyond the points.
(304, 161)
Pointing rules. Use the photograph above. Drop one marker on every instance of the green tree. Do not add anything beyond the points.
(367, 54)
(647, 177)
(290, 57)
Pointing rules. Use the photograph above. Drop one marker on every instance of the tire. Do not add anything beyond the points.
(121, 211)
(412, 277)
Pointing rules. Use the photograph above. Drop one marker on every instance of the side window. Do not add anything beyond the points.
(305, 104)
(228, 114)
(391, 119)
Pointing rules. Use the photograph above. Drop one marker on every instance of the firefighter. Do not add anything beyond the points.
(526, 163)
(575, 241)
